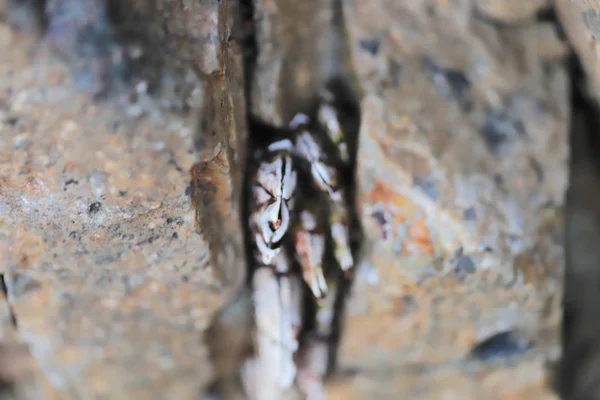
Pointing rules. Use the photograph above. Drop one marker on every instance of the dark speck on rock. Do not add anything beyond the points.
(499, 129)
(396, 72)
(371, 45)
(189, 190)
(465, 265)
(537, 168)
(498, 179)
(123, 193)
(175, 236)
(177, 220)
(501, 345)
(470, 214)
(94, 207)
(12, 121)
(428, 186)
(150, 240)
(23, 284)
(405, 305)
(452, 84)
(71, 182)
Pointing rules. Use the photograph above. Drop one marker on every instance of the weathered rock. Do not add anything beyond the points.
(107, 277)
(479, 112)
(581, 22)
(20, 377)
(300, 46)
(462, 156)
(511, 11)
(221, 141)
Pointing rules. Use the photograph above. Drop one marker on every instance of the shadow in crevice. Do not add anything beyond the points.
(230, 338)
(578, 375)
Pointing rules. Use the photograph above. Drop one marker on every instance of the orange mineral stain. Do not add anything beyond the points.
(404, 211)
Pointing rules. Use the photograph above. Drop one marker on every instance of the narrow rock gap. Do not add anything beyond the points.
(579, 367)
(4, 287)
(244, 30)
(233, 322)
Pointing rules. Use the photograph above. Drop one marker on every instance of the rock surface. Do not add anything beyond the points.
(107, 278)
(462, 173)
(581, 22)
(462, 168)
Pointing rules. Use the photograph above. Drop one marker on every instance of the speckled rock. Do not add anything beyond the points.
(462, 172)
(294, 58)
(581, 22)
(108, 280)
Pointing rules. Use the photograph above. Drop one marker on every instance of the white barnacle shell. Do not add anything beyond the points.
(284, 144)
(308, 147)
(328, 117)
(341, 237)
(267, 254)
(261, 196)
(276, 184)
(276, 334)
(270, 175)
(299, 120)
(289, 179)
(308, 220)
(325, 177)
(274, 221)
(310, 248)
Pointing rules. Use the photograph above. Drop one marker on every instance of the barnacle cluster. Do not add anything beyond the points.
(299, 239)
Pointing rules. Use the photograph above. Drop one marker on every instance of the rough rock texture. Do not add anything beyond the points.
(295, 59)
(461, 167)
(108, 281)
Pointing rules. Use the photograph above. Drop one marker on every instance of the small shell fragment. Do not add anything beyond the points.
(273, 187)
(277, 305)
(325, 176)
(313, 358)
(340, 234)
(309, 246)
(329, 119)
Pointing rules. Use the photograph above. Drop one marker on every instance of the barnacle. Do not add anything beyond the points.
(273, 187)
(340, 235)
(313, 359)
(309, 246)
(308, 147)
(328, 118)
(325, 177)
(299, 238)
(277, 307)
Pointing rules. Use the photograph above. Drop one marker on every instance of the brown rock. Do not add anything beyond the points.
(462, 154)
(510, 11)
(457, 119)
(110, 302)
(581, 22)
